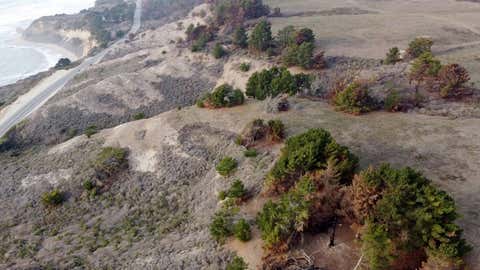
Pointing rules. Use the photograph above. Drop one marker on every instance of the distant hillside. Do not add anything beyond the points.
(80, 33)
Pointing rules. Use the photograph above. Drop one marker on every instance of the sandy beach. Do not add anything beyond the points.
(53, 47)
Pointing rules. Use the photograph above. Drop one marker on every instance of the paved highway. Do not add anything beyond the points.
(17, 114)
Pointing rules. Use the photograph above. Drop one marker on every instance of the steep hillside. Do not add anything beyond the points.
(120, 169)
(156, 213)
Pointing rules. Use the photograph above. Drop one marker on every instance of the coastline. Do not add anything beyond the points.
(50, 51)
(49, 46)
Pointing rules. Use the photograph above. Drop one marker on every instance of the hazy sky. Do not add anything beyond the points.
(16, 11)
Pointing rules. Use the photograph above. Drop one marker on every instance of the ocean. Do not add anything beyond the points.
(19, 60)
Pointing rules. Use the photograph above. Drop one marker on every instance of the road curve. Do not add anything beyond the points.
(15, 114)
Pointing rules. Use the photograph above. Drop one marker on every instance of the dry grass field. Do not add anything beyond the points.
(368, 28)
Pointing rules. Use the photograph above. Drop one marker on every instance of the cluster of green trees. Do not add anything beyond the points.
(448, 80)
(223, 96)
(99, 22)
(224, 223)
(419, 46)
(98, 28)
(224, 226)
(409, 214)
(416, 47)
(121, 12)
(297, 46)
(406, 219)
(354, 99)
(261, 38)
(275, 81)
(281, 221)
(310, 151)
(199, 36)
(236, 11)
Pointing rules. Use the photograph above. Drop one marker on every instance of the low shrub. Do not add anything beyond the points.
(250, 153)
(257, 131)
(119, 34)
(392, 102)
(237, 190)
(222, 96)
(242, 230)
(226, 166)
(238, 140)
(240, 38)
(91, 188)
(8, 141)
(222, 195)
(109, 161)
(452, 79)
(200, 103)
(237, 264)
(354, 99)
(221, 226)
(53, 198)
(63, 63)
(276, 130)
(393, 56)
(218, 51)
(90, 131)
(199, 36)
(71, 132)
(245, 67)
(139, 116)
(88, 185)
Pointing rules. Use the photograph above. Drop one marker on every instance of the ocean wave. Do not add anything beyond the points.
(30, 58)
(46, 59)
